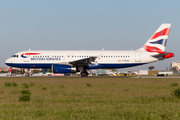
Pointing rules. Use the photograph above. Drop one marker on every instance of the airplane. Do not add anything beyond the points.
(72, 61)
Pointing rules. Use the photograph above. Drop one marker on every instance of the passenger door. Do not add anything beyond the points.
(137, 56)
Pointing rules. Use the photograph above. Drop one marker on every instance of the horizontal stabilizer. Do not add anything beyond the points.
(164, 55)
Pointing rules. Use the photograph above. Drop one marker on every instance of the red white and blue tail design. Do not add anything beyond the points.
(157, 42)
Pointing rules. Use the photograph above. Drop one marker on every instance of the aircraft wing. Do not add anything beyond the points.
(83, 62)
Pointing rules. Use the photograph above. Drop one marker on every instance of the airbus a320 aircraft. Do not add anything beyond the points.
(72, 61)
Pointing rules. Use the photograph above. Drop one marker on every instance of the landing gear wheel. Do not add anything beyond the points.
(27, 74)
(84, 74)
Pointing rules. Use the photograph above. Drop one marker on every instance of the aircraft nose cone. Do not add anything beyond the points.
(7, 61)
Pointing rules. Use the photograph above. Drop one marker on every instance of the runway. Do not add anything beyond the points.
(172, 76)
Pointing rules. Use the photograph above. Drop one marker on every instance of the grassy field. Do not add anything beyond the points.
(89, 98)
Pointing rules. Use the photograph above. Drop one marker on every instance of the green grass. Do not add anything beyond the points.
(90, 98)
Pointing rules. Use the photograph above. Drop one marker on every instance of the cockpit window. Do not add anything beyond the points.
(16, 56)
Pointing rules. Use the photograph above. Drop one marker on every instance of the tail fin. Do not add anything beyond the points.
(158, 40)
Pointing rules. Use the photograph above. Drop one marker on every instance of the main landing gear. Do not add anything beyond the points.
(84, 74)
(83, 70)
(27, 74)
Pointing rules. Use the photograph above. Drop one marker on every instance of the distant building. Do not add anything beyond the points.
(175, 67)
(176, 64)
(3, 69)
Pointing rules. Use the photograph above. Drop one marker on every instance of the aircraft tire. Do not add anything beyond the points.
(84, 74)
(27, 75)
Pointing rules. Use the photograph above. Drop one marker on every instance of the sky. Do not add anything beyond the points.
(86, 25)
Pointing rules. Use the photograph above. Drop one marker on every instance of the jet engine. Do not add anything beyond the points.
(61, 68)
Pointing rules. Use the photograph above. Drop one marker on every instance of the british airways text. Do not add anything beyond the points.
(48, 58)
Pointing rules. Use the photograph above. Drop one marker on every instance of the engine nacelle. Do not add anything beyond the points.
(60, 68)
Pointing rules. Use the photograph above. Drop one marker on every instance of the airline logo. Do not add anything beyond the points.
(152, 49)
(157, 42)
(24, 55)
(161, 42)
(161, 33)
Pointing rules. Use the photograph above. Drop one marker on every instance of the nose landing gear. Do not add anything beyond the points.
(27, 74)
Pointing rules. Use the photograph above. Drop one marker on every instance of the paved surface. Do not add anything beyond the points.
(96, 76)
(156, 76)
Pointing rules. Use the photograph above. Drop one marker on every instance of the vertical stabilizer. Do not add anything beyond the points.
(157, 42)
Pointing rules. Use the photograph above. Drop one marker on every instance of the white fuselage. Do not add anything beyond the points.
(105, 59)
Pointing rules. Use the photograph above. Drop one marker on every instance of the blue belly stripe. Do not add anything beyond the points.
(103, 66)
